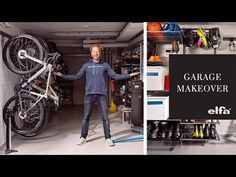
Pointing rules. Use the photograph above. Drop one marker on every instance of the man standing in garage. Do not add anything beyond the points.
(95, 90)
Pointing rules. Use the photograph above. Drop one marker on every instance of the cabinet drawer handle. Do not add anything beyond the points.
(155, 102)
(152, 74)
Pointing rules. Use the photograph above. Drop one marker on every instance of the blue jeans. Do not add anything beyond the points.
(101, 100)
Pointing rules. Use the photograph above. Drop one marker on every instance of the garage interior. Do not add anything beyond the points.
(73, 40)
(225, 128)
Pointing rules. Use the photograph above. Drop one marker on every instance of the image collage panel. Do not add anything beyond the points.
(189, 75)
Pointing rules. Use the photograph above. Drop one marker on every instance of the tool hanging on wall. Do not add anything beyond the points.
(175, 46)
(202, 38)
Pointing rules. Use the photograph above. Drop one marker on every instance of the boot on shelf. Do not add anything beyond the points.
(176, 133)
(155, 130)
(212, 131)
(206, 132)
(195, 131)
(164, 130)
(169, 131)
(160, 131)
(200, 131)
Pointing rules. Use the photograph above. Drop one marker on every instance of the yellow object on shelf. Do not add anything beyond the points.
(157, 58)
(154, 58)
(112, 107)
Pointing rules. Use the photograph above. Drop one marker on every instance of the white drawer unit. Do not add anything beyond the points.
(157, 108)
(155, 78)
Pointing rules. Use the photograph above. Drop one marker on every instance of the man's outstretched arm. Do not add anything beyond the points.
(115, 76)
(72, 77)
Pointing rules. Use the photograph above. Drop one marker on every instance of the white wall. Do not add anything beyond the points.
(7, 82)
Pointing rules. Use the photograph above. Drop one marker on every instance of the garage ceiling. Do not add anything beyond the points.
(82, 34)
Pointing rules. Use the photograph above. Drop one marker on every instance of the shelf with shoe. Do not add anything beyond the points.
(189, 121)
(164, 131)
(188, 137)
(130, 58)
(130, 61)
(174, 130)
(196, 132)
(157, 60)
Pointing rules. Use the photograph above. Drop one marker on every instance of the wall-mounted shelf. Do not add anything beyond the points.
(200, 122)
(129, 58)
(157, 63)
(188, 137)
(130, 65)
(186, 130)
(158, 93)
(165, 140)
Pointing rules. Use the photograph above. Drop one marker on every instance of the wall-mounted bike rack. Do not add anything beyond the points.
(5, 34)
(8, 149)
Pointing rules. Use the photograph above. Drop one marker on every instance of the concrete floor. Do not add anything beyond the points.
(63, 132)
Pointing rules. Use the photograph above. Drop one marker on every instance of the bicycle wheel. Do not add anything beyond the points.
(32, 46)
(44, 123)
(43, 42)
(31, 122)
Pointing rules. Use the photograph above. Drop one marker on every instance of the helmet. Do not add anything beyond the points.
(214, 37)
(171, 26)
(154, 29)
(189, 37)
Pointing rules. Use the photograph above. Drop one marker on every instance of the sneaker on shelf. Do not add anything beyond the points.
(82, 141)
(109, 142)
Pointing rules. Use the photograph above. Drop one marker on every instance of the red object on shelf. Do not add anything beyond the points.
(167, 82)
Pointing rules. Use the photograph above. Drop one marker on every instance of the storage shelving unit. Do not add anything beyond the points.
(186, 135)
(162, 37)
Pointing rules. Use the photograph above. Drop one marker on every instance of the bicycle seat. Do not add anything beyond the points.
(56, 55)
(53, 58)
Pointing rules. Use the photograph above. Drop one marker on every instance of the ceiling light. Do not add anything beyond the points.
(84, 34)
(110, 45)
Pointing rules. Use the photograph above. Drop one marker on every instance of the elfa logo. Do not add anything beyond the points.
(219, 110)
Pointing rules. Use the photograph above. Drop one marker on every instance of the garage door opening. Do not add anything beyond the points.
(122, 44)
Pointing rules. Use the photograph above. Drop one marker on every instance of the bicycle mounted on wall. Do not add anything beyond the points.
(28, 55)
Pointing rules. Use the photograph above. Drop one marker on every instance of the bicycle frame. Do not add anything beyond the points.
(22, 54)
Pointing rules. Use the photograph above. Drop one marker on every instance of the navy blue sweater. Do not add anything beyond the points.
(95, 76)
